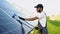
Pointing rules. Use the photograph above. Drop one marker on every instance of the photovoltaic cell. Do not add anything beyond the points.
(8, 25)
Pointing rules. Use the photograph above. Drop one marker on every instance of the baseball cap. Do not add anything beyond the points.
(39, 6)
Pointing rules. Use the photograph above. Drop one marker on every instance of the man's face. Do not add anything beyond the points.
(39, 10)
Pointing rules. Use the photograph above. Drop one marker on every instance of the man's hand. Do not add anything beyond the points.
(36, 27)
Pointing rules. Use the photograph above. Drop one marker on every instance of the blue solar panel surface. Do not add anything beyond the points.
(8, 25)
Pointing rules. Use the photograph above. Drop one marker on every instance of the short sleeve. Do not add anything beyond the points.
(40, 15)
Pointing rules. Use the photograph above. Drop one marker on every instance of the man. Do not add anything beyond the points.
(41, 16)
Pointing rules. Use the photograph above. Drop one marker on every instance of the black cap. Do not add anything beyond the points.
(39, 6)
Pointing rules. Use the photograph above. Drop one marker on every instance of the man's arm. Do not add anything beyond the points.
(31, 19)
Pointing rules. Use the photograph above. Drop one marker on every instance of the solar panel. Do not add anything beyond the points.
(24, 24)
(8, 25)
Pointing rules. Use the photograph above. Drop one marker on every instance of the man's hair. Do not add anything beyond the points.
(39, 6)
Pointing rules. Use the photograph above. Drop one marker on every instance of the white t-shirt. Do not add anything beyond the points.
(42, 18)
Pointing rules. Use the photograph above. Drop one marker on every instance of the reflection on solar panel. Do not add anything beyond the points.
(8, 25)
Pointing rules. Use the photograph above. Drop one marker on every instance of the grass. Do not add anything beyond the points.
(53, 27)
